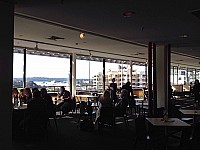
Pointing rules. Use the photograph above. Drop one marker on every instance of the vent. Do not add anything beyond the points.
(196, 13)
(55, 38)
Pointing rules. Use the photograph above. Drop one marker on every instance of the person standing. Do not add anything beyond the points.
(196, 91)
(113, 90)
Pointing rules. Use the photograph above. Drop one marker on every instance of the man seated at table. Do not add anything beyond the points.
(66, 105)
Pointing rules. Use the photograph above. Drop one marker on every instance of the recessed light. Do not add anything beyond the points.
(82, 35)
(183, 36)
(128, 13)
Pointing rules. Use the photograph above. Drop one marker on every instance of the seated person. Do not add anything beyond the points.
(37, 111)
(64, 94)
(48, 100)
(105, 101)
(67, 104)
(27, 95)
(121, 105)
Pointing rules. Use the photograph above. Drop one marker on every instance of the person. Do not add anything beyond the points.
(15, 96)
(64, 93)
(49, 102)
(121, 106)
(196, 91)
(27, 95)
(113, 88)
(67, 104)
(130, 95)
(124, 100)
(37, 111)
(105, 101)
(128, 87)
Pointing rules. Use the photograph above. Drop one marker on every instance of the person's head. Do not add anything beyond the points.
(43, 92)
(113, 80)
(14, 92)
(27, 92)
(34, 89)
(196, 81)
(106, 95)
(62, 88)
(36, 94)
(128, 83)
(124, 93)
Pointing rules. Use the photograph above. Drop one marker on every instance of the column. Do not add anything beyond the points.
(6, 73)
(24, 69)
(154, 79)
(146, 75)
(187, 79)
(163, 75)
(73, 74)
(70, 74)
(104, 74)
(150, 102)
(131, 72)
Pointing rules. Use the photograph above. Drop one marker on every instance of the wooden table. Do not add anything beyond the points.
(89, 97)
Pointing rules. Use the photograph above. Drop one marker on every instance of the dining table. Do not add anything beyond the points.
(167, 123)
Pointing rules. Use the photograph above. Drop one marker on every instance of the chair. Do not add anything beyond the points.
(85, 111)
(121, 112)
(141, 132)
(106, 118)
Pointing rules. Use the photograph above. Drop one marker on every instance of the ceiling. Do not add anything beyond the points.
(107, 31)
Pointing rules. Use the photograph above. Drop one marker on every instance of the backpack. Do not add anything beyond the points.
(86, 125)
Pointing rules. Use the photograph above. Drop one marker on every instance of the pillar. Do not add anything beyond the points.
(163, 75)
(104, 74)
(150, 101)
(131, 73)
(24, 69)
(73, 74)
(6, 72)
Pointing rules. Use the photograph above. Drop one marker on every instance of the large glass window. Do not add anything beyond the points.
(191, 75)
(18, 64)
(139, 76)
(46, 71)
(198, 74)
(89, 74)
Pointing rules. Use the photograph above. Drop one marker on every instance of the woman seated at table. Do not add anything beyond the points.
(105, 101)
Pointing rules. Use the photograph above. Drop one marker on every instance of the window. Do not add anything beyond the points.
(49, 72)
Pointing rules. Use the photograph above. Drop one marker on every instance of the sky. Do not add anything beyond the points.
(54, 67)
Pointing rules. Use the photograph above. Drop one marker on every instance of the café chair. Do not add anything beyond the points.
(85, 111)
(106, 118)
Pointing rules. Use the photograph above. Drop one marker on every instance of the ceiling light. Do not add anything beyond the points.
(82, 35)
(128, 13)
(183, 36)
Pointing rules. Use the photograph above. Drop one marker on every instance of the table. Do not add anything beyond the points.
(19, 115)
(171, 122)
(89, 97)
(190, 112)
(24, 106)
